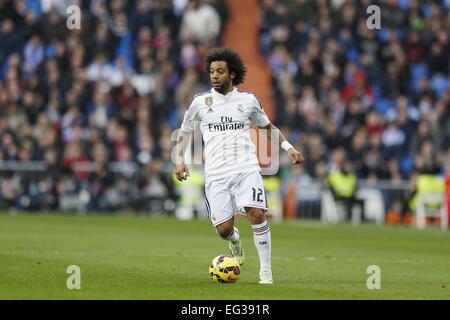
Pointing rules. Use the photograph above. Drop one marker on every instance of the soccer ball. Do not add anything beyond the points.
(224, 269)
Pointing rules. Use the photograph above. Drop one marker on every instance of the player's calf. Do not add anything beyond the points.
(225, 229)
(255, 215)
(228, 232)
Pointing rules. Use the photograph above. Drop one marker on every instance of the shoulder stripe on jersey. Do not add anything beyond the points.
(260, 104)
(202, 93)
(243, 91)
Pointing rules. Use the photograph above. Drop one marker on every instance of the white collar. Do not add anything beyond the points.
(224, 95)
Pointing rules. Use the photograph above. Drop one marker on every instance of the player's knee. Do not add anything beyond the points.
(255, 215)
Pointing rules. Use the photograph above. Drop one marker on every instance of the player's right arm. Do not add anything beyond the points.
(181, 170)
(184, 135)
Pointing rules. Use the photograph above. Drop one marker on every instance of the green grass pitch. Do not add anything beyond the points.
(128, 257)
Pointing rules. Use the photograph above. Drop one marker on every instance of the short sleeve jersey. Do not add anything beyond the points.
(224, 121)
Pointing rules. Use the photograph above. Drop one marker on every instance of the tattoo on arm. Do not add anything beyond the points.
(182, 143)
(271, 128)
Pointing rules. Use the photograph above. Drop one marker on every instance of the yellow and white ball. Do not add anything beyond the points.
(224, 269)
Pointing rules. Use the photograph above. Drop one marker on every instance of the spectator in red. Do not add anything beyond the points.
(75, 160)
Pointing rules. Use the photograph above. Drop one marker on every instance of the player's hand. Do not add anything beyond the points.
(182, 172)
(295, 156)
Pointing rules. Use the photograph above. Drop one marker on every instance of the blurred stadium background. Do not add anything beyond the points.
(86, 116)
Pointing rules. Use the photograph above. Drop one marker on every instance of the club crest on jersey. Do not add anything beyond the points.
(209, 101)
(240, 108)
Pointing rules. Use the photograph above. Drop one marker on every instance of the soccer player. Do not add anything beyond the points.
(233, 176)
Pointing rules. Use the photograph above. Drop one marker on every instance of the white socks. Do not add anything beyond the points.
(234, 236)
(262, 239)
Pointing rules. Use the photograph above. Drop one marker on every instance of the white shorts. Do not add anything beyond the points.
(232, 194)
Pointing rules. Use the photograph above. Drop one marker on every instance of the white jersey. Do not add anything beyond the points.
(224, 121)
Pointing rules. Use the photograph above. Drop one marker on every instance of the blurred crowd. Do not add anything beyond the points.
(378, 98)
(98, 104)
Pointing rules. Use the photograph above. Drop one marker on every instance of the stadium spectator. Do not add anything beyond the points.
(200, 23)
(343, 186)
(11, 39)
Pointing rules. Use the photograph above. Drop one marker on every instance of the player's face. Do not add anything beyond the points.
(221, 78)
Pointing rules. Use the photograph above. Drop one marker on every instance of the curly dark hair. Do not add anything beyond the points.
(233, 59)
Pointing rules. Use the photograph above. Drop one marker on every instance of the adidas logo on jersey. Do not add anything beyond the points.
(210, 110)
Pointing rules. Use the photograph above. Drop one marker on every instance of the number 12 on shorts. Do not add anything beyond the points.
(257, 196)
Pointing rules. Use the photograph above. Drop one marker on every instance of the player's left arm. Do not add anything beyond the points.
(294, 155)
